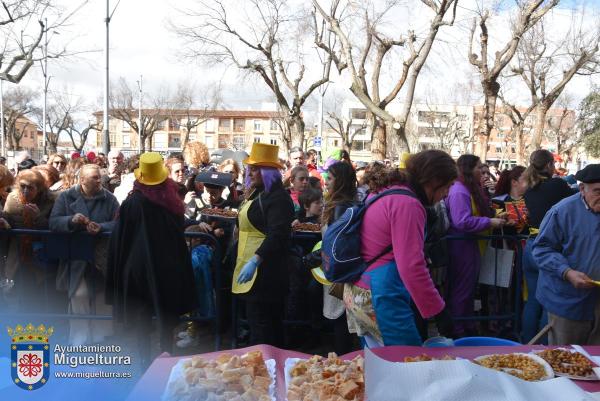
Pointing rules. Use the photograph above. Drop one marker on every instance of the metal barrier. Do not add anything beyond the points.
(58, 246)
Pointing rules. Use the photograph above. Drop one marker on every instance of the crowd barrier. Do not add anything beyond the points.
(58, 246)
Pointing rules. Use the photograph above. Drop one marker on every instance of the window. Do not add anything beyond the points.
(358, 114)
(498, 149)
(336, 143)
(239, 142)
(500, 134)
(257, 126)
(174, 124)
(174, 141)
(360, 145)
(31, 134)
(160, 141)
(126, 140)
(112, 139)
(239, 125)
(513, 149)
(125, 126)
(209, 125)
(273, 141)
(257, 139)
(275, 124)
(224, 124)
(209, 141)
(162, 125)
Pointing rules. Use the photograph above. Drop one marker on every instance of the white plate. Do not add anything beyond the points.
(546, 365)
(591, 377)
(176, 381)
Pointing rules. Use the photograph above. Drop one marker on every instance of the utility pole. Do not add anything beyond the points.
(46, 83)
(140, 122)
(105, 134)
(2, 147)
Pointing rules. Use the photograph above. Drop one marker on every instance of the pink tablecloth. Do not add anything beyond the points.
(152, 384)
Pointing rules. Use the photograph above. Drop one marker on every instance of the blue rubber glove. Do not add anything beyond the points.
(248, 270)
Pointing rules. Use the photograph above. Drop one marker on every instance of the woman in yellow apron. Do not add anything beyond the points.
(261, 275)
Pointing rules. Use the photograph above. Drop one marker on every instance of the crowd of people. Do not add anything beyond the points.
(147, 267)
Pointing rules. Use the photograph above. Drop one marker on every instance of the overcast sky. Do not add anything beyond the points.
(142, 44)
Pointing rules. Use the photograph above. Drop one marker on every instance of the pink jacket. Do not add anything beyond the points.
(401, 220)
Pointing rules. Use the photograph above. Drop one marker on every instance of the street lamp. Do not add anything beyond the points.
(140, 122)
(105, 133)
(46, 84)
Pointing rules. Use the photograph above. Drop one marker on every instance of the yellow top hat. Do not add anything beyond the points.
(152, 170)
(264, 155)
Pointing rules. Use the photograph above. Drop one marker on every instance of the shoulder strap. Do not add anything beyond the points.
(405, 192)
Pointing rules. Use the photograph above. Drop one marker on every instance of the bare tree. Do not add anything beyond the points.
(266, 42)
(518, 118)
(18, 105)
(186, 97)
(528, 14)
(23, 24)
(79, 133)
(371, 54)
(343, 127)
(560, 127)
(122, 108)
(546, 67)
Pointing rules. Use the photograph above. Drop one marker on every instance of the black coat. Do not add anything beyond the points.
(149, 262)
(275, 221)
(542, 197)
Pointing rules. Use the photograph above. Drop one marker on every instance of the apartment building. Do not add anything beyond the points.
(218, 129)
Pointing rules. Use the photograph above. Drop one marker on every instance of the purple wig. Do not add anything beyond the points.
(270, 175)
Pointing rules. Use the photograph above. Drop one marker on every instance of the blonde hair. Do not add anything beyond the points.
(538, 164)
(196, 154)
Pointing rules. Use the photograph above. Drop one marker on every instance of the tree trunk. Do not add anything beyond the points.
(484, 147)
(143, 143)
(401, 134)
(520, 145)
(378, 140)
(490, 91)
(186, 138)
(148, 143)
(540, 124)
(296, 125)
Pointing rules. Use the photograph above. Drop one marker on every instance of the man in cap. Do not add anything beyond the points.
(567, 250)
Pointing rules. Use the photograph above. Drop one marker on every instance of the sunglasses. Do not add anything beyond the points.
(59, 163)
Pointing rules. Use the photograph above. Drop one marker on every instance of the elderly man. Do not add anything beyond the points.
(86, 207)
(112, 178)
(567, 250)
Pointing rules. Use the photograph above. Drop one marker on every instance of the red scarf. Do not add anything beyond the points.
(164, 194)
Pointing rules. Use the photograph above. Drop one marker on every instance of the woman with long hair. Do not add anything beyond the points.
(340, 185)
(509, 191)
(265, 218)
(296, 183)
(236, 189)
(379, 303)
(470, 213)
(543, 192)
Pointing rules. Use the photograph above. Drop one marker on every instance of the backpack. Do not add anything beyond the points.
(341, 257)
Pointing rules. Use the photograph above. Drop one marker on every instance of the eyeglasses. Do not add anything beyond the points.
(302, 178)
(59, 163)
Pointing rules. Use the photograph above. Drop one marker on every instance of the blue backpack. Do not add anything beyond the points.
(340, 251)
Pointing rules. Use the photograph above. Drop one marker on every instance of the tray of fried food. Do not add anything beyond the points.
(307, 227)
(325, 379)
(427, 358)
(527, 367)
(569, 363)
(223, 213)
(226, 378)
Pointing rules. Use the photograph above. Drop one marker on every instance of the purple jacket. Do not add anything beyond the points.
(462, 220)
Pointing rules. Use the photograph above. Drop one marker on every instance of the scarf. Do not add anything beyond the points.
(164, 194)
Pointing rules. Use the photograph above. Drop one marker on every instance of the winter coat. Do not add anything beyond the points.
(85, 249)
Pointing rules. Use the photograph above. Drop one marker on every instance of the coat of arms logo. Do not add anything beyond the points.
(30, 355)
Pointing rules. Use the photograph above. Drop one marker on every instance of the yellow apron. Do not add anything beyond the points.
(482, 243)
(249, 241)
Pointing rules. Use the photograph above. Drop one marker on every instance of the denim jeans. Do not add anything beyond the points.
(534, 316)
